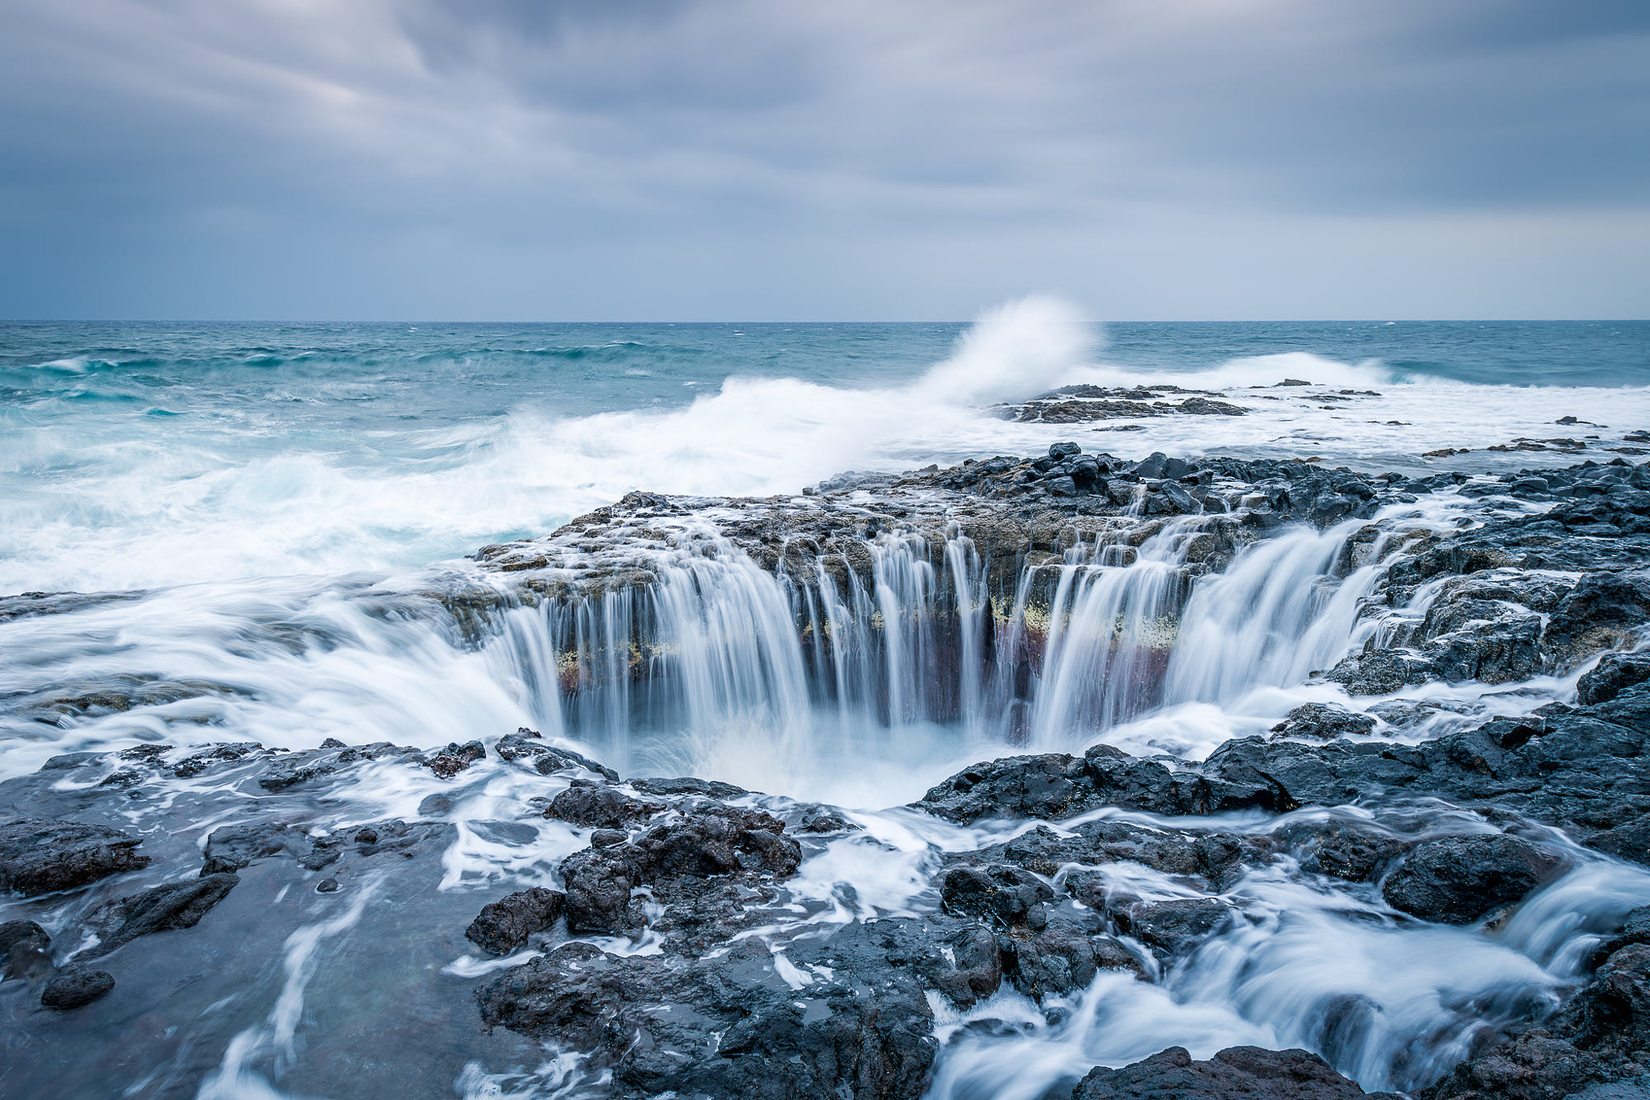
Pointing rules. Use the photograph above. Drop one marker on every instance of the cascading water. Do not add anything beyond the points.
(1280, 612)
(718, 660)
(700, 660)
(1306, 962)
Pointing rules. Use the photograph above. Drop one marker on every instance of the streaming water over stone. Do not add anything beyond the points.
(1037, 765)
(655, 673)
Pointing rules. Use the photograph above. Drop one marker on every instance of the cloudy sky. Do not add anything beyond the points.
(875, 159)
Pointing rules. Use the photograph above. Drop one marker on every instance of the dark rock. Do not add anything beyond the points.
(505, 925)
(705, 788)
(163, 909)
(1379, 672)
(75, 987)
(213, 755)
(1630, 840)
(1054, 786)
(598, 806)
(40, 857)
(1611, 1014)
(1216, 859)
(1202, 406)
(1160, 467)
(1003, 895)
(232, 847)
(1603, 611)
(1458, 879)
(1594, 1047)
(1175, 927)
(864, 1032)
(1236, 1073)
(524, 747)
(1613, 673)
(1341, 849)
(1062, 451)
(965, 964)
(1323, 722)
(332, 757)
(25, 949)
(1060, 956)
(678, 861)
(455, 758)
(823, 819)
(1168, 498)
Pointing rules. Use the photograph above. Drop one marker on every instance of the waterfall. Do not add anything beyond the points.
(720, 658)
(1279, 613)
(692, 656)
(1110, 632)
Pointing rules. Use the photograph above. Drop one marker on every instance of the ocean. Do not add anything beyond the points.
(141, 455)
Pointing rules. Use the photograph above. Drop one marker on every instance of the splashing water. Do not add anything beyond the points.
(277, 566)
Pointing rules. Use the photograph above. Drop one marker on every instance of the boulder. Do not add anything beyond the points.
(598, 806)
(686, 860)
(40, 857)
(1323, 722)
(75, 987)
(504, 926)
(1459, 879)
(453, 759)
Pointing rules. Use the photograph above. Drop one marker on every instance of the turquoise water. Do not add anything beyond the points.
(134, 455)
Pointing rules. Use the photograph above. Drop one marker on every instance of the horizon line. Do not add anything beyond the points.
(835, 321)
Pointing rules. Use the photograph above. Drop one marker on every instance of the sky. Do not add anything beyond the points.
(857, 159)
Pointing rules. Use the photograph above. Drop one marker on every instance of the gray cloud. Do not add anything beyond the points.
(751, 158)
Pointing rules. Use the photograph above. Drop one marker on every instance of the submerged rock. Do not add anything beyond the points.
(25, 949)
(75, 987)
(162, 909)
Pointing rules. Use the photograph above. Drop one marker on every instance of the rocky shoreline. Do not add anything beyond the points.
(691, 937)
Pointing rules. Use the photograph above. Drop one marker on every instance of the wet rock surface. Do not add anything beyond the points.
(859, 1026)
(1237, 1073)
(71, 989)
(162, 909)
(686, 935)
(40, 857)
(1459, 879)
(704, 868)
(24, 949)
(504, 926)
